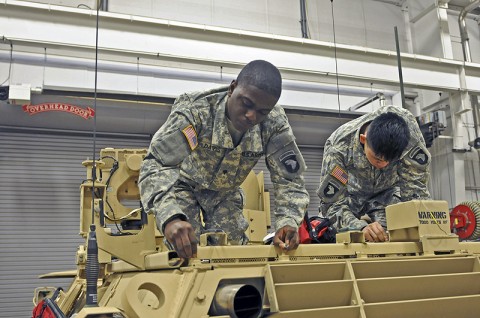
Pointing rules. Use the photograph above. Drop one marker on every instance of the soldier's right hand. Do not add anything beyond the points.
(182, 236)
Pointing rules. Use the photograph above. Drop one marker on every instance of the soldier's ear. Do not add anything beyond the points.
(231, 87)
(363, 138)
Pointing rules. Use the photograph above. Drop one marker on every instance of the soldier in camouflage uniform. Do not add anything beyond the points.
(198, 159)
(371, 162)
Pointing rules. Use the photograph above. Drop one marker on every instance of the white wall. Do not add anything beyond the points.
(366, 61)
(427, 36)
(366, 23)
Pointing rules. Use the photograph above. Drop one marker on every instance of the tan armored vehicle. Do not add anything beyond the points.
(424, 271)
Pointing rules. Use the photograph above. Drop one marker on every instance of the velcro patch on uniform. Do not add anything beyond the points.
(191, 136)
(289, 161)
(340, 174)
(330, 190)
(419, 155)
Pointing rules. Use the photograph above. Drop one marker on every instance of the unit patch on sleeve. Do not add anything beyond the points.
(419, 155)
(191, 136)
(330, 190)
(289, 161)
(340, 174)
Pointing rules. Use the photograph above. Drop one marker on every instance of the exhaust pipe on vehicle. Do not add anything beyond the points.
(237, 301)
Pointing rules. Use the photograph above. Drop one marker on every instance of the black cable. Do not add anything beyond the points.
(336, 62)
(84, 5)
(399, 62)
(107, 183)
(113, 169)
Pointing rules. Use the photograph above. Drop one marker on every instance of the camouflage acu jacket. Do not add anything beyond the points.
(348, 181)
(195, 146)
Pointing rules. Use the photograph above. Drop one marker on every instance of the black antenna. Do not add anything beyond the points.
(92, 266)
(399, 63)
(336, 63)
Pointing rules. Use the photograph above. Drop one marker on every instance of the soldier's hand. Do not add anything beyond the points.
(182, 236)
(286, 238)
(374, 232)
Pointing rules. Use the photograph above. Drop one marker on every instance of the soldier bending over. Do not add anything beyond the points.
(371, 162)
(198, 159)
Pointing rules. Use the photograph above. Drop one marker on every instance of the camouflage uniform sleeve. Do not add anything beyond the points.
(334, 197)
(286, 166)
(170, 145)
(414, 168)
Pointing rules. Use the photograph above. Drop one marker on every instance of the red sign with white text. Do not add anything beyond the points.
(59, 107)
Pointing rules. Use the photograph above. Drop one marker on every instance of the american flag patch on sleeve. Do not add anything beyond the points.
(340, 174)
(191, 136)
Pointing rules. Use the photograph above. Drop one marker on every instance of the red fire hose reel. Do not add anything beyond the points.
(465, 220)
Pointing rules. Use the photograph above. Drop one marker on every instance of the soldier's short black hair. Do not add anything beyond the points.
(388, 136)
(263, 75)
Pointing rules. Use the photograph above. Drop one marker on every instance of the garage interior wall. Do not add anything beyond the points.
(155, 50)
(144, 53)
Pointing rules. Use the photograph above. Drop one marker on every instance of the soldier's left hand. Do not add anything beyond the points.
(374, 232)
(286, 238)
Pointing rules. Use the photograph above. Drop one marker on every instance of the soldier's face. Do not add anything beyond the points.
(248, 105)
(375, 160)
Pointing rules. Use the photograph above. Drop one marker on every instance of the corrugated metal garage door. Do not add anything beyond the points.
(313, 159)
(39, 207)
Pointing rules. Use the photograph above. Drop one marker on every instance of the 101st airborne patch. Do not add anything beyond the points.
(289, 161)
(330, 190)
(419, 155)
